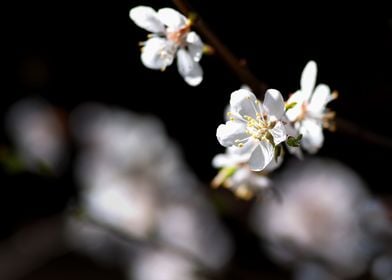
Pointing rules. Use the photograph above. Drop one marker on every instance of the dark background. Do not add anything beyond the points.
(69, 52)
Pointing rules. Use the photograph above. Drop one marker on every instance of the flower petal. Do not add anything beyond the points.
(146, 18)
(273, 103)
(157, 53)
(261, 156)
(308, 79)
(320, 98)
(313, 137)
(294, 112)
(221, 160)
(228, 133)
(173, 19)
(195, 46)
(259, 181)
(241, 176)
(243, 101)
(189, 69)
(278, 133)
(274, 164)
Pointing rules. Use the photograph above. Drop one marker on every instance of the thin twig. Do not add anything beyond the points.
(259, 87)
(235, 64)
(352, 129)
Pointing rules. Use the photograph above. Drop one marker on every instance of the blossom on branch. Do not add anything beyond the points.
(254, 129)
(171, 37)
(308, 109)
(235, 174)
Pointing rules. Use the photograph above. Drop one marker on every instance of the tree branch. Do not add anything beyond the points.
(259, 87)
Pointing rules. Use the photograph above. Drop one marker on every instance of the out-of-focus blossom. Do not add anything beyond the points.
(134, 179)
(308, 109)
(236, 175)
(322, 225)
(38, 135)
(171, 38)
(163, 265)
(382, 267)
(254, 129)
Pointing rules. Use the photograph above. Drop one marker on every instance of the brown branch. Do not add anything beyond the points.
(259, 87)
(352, 129)
(235, 64)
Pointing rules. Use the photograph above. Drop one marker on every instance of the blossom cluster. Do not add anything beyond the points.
(255, 131)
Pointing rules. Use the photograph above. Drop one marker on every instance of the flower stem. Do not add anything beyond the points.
(235, 64)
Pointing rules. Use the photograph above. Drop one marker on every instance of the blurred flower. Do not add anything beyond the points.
(134, 179)
(308, 109)
(38, 135)
(171, 37)
(254, 129)
(323, 224)
(382, 267)
(163, 265)
(236, 175)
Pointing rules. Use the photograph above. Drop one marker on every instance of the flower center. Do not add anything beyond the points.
(258, 128)
(167, 54)
(178, 36)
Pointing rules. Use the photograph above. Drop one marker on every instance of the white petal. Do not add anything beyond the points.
(261, 156)
(308, 79)
(221, 160)
(189, 69)
(243, 153)
(241, 176)
(278, 133)
(320, 98)
(313, 137)
(195, 46)
(294, 112)
(147, 18)
(152, 53)
(243, 101)
(228, 133)
(274, 164)
(273, 103)
(259, 181)
(290, 129)
(170, 17)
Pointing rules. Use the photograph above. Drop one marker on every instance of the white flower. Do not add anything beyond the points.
(254, 129)
(38, 134)
(171, 37)
(236, 175)
(309, 113)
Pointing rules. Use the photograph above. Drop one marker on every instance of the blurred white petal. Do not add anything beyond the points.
(319, 100)
(188, 68)
(146, 18)
(195, 46)
(171, 18)
(157, 53)
(308, 79)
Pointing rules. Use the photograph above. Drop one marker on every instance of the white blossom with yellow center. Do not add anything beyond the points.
(171, 38)
(309, 113)
(254, 128)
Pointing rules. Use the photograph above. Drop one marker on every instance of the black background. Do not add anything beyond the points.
(69, 52)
